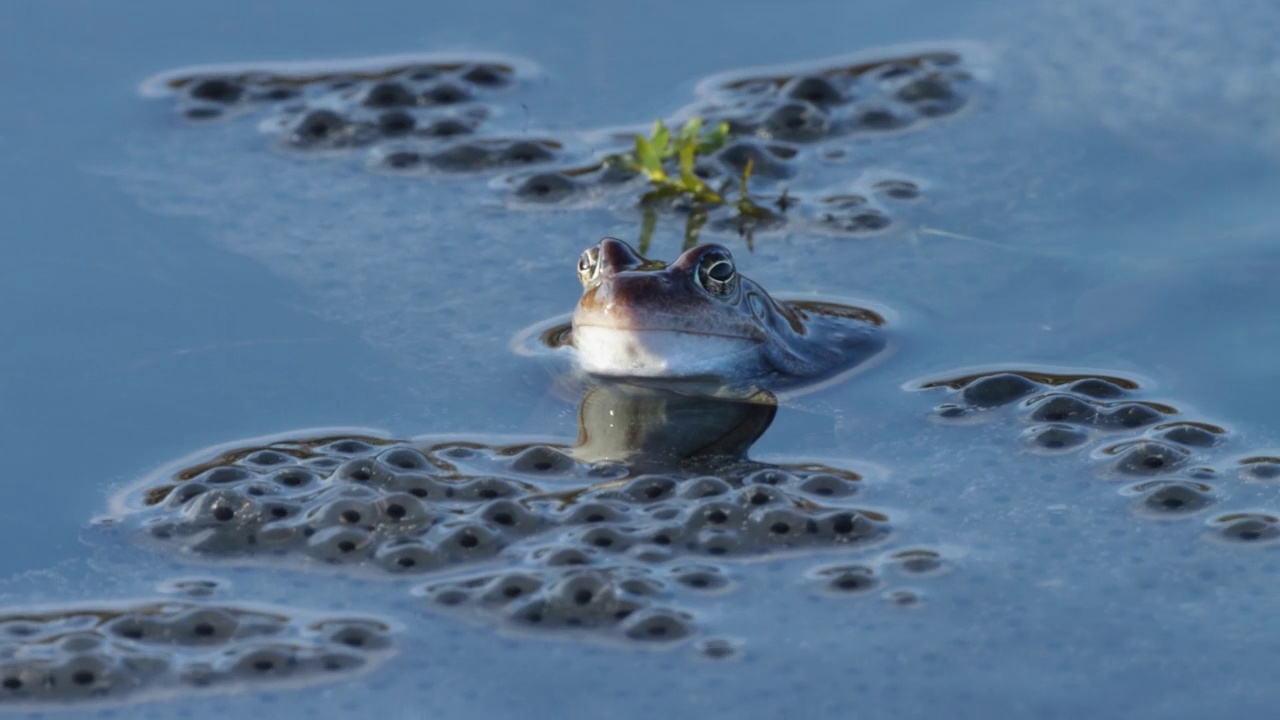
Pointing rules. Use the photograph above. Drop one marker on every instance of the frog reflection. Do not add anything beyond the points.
(647, 429)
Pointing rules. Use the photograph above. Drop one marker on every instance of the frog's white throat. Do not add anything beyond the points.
(661, 353)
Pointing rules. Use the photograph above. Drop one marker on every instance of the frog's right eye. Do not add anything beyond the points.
(716, 273)
(589, 265)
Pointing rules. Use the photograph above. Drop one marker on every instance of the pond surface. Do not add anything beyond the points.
(1103, 206)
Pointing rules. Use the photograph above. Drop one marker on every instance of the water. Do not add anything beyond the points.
(1105, 204)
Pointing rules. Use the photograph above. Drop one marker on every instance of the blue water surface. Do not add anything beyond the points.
(1107, 203)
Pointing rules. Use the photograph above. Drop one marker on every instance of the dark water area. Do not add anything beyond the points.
(1016, 538)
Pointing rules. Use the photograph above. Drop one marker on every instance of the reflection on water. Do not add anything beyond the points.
(656, 430)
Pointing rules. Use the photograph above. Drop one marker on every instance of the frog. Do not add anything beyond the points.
(699, 319)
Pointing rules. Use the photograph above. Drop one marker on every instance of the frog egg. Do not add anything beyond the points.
(1191, 434)
(326, 130)
(650, 488)
(404, 459)
(1173, 498)
(510, 518)
(445, 93)
(221, 90)
(702, 487)
(998, 389)
(294, 479)
(407, 555)
(339, 544)
(388, 94)
(269, 459)
(845, 579)
(779, 526)
(604, 538)
(700, 577)
(1247, 528)
(509, 587)
(720, 649)
(846, 527)
(356, 634)
(202, 626)
(546, 187)
(1146, 457)
(715, 514)
(816, 89)
(797, 121)
(827, 486)
(1065, 408)
(1055, 437)
(396, 124)
(469, 541)
(590, 513)
(1130, 415)
(447, 128)
(488, 75)
(1097, 388)
(1261, 469)
(658, 625)
(486, 488)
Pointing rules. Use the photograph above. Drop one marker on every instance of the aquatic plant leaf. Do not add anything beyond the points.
(659, 193)
(715, 139)
(692, 227)
(648, 223)
(691, 183)
(686, 166)
(648, 159)
(746, 206)
(660, 138)
(690, 132)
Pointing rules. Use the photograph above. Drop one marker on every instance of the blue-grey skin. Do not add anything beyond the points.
(697, 318)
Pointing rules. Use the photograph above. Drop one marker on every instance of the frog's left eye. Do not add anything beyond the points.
(589, 265)
(716, 273)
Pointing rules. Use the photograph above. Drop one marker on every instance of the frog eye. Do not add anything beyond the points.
(589, 265)
(716, 273)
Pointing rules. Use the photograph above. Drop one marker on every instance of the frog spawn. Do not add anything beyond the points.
(643, 546)
(570, 596)
(808, 110)
(1169, 460)
(420, 115)
(860, 579)
(781, 119)
(554, 526)
(410, 114)
(132, 651)
(866, 95)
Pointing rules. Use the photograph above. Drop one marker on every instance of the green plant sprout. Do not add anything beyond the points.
(651, 155)
(652, 158)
